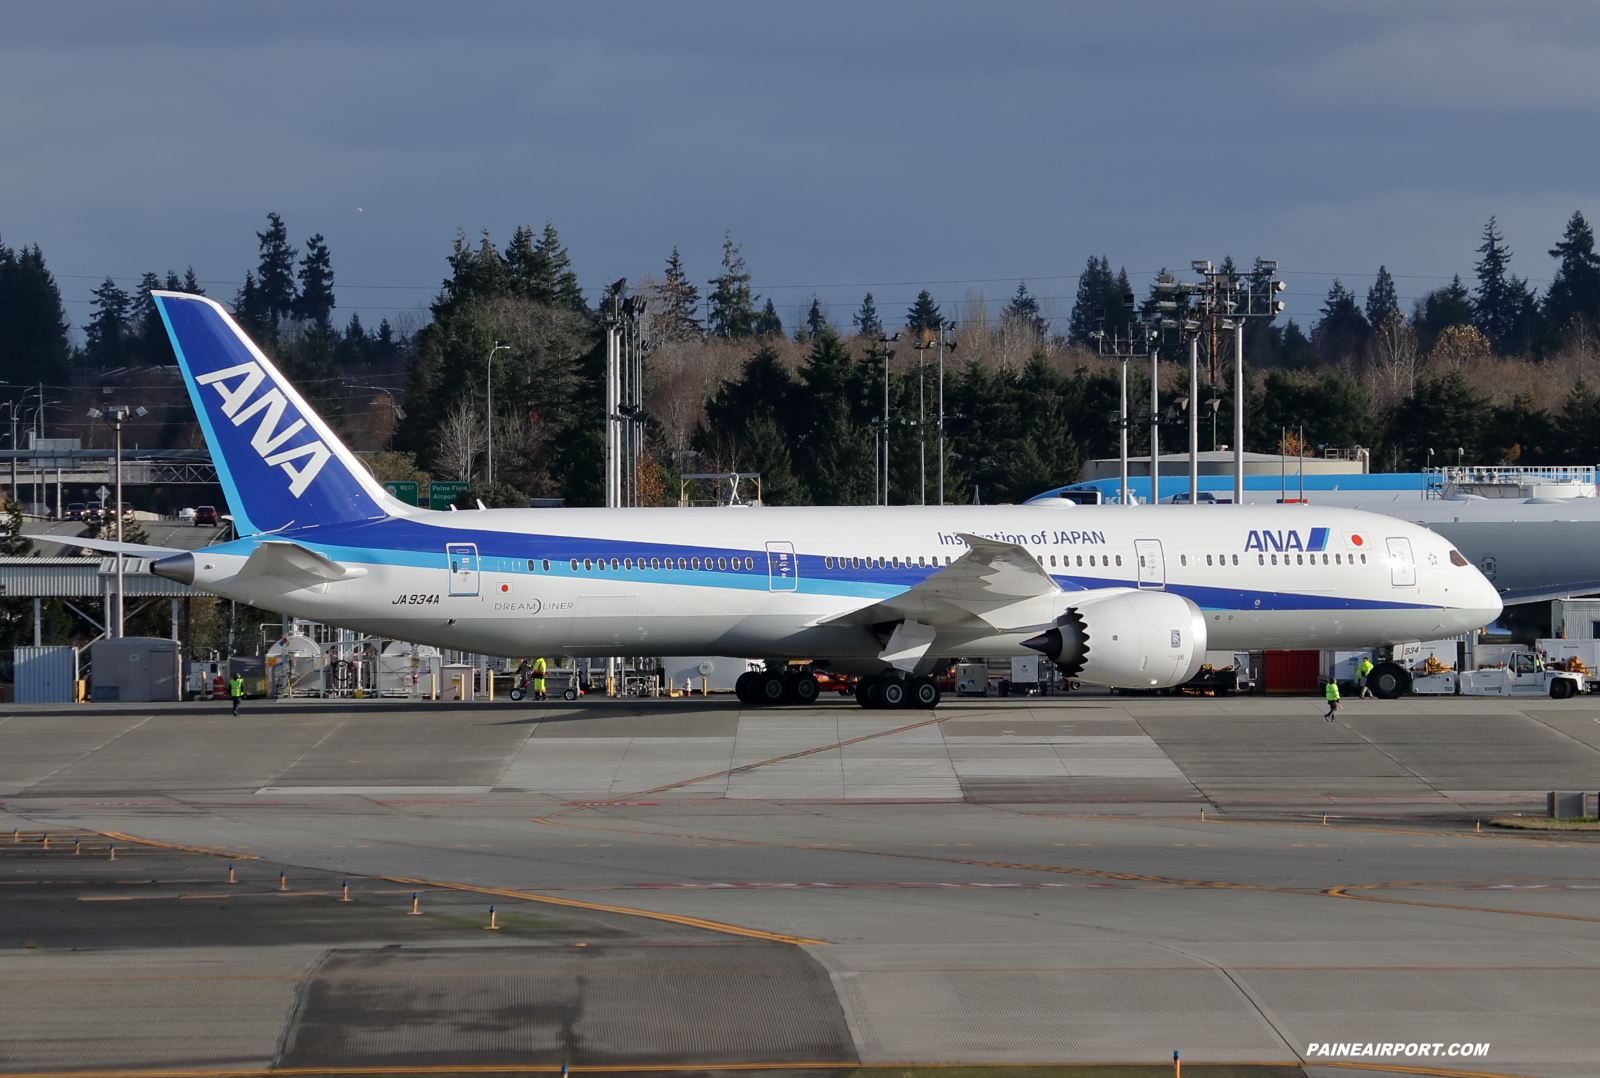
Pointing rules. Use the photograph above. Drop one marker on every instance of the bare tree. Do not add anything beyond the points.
(458, 440)
(1392, 359)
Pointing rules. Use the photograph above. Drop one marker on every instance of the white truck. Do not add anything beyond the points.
(1582, 657)
(1525, 673)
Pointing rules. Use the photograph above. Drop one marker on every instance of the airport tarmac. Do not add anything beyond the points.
(690, 883)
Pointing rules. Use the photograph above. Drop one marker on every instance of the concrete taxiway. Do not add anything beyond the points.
(1006, 881)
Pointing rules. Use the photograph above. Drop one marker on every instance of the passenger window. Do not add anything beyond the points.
(1274, 559)
(1183, 559)
(1363, 559)
(1236, 559)
(1336, 560)
(947, 559)
(530, 565)
(683, 563)
(749, 563)
(613, 564)
(1324, 559)
(694, 563)
(1080, 560)
(722, 563)
(574, 564)
(920, 563)
(1141, 561)
(1299, 559)
(827, 563)
(1119, 559)
(547, 565)
(588, 565)
(627, 563)
(1261, 559)
(655, 563)
(1208, 559)
(882, 564)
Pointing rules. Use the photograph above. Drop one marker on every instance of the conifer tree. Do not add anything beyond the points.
(250, 310)
(816, 318)
(1381, 298)
(731, 308)
(542, 271)
(1504, 309)
(676, 320)
(924, 320)
(767, 323)
(1439, 310)
(315, 302)
(1575, 292)
(1023, 310)
(191, 283)
(1343, 330)
(108, 329)
(1100, 302)
(275, 274)
(33, 325)
(866, 320)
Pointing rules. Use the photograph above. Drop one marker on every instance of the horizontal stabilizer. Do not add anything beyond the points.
(111, 546)
(291, 561)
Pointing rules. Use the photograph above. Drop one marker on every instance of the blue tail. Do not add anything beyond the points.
(279, 463)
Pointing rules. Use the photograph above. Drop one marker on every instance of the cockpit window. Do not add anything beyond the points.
(1457, 559)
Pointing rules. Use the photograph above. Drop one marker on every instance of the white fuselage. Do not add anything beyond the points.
(608, 581)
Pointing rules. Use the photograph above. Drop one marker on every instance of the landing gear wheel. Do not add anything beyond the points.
(744, 689)
(893, 692)
(1389, 681)
(570, 694)
(925, 693)
(516, 694)
(867, 692)
(803, 689)
(770, 688)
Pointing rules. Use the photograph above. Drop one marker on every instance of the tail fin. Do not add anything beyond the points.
(278, 462)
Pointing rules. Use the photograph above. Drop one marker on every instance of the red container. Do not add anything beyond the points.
(1291, 671)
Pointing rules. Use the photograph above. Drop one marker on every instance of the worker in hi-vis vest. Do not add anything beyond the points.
(538, 678)
(236, 691)
(1332, 693)
(1362, 670)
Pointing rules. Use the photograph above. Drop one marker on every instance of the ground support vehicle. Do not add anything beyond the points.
(1211, 680)
(1580, 657)
(559, 681)
(1524, 674)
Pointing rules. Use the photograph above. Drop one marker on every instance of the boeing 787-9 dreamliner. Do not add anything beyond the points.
(1128, 597)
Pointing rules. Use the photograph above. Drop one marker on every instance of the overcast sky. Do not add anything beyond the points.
(848, 146)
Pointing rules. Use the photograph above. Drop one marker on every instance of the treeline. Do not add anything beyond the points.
(1492, 372)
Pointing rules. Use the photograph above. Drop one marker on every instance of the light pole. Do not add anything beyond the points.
(888, 354)
(488, 392)
(943, 344)
(922, 346)
(116, 415)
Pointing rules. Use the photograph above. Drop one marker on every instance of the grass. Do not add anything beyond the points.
(1545, 823)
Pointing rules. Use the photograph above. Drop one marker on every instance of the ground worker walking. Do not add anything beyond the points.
(1362, 670)
(236, 691)
(1332, 693)
(538, 678)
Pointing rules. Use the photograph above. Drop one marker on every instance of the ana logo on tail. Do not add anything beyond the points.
(268, 439)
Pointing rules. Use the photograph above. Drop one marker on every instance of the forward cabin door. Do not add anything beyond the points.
(1402, 566)
(782, 570)
(463, 559)
(1152, 566)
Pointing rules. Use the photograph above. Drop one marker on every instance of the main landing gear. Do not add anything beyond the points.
(772, 688)
(893, 692)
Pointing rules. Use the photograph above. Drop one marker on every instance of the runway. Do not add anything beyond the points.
(1001, 882)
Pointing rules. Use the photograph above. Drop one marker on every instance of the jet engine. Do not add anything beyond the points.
(1127, 640)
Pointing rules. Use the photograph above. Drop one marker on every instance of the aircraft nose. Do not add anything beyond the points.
(1482, 599)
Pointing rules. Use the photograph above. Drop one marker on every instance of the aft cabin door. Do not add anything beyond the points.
(1402, 567)
(1152, 566)
(782, 571)
(463, 558)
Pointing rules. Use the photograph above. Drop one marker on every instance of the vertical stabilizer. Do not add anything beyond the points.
(279, 463)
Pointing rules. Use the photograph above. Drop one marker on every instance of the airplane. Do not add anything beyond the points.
(1116, 596)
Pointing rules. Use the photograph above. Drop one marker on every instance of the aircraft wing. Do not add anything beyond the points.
(1543, 595)
(140, 550)
(993, 586)
(293, 562)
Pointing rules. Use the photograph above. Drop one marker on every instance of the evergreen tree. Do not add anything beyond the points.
(1579, 424)
(868, 324)
(108, 329)
(275, 274)
(1439, 310)
(833, 443)
(1505, 310)
(191, 284)
(250, 310)
(143, 316)
(924, 320)
(315, 302)
(1023, 310)
(1442, 414)
(768, 324)
(1381, 298)
(1575, 293)
(1343, 330)
(680, 299)
(542, 271)
(731, 308)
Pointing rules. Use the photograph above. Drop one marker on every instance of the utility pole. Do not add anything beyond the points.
(1137, 343)
(888, 354)
(117, 415)
(1194, 420)
(922, 346)
(951, 344)
(488, 392)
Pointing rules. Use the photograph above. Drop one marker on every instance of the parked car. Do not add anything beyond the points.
(77, 511)
(206, 515)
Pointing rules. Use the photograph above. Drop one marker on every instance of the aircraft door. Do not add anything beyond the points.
(1152, 566)
(463, 559)
(1402, 566)
(783, 572)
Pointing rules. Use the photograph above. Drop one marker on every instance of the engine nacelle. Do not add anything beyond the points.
(1128, 640)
